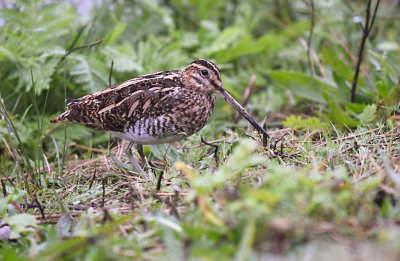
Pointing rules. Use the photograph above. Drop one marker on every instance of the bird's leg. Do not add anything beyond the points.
(139, 148)
(133, 160)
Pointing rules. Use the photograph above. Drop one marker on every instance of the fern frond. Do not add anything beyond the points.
(89, 72)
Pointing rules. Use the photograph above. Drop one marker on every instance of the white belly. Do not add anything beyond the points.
(145, 132)
(146, 139)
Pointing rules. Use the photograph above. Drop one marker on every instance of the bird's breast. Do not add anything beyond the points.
(183, 117)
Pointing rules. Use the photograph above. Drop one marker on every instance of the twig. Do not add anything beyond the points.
(246, 96)
(106, 217)
(71, 48)
(398, 82)
(334, 35)
(159, 180)
(10, 153)
(6, 176)
(222, 140)
(72, 45)
(87, 148)
(18, 207)
(310, 63)
(131, 195)
(374, 15)
(85, 163)
(265, 137)
(93, 177)
(175, 202)
(171, 204)
(215, 150)
(349, 137)
(104, 191)
(39, 206)
(16, 104)
(3, 185)
(366, 30)
(345, 138)
(78, 35)
(280, 139)
(89, 45)
(49, 170)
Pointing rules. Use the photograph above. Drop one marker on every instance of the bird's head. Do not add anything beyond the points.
(202, 75)
(205, 77)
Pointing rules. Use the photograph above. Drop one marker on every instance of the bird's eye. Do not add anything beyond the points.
(204, 72)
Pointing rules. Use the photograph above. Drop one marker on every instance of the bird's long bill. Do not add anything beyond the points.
(228, 97)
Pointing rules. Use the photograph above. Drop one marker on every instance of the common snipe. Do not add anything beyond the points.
(155, 108)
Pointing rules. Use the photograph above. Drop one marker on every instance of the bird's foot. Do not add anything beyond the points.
(134, 162)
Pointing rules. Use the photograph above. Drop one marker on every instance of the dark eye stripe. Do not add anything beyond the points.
(216, 87)
(209, 65)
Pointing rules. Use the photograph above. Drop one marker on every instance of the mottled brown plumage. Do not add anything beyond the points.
(155, 108)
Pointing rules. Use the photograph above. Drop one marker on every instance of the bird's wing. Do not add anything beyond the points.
(115, 107)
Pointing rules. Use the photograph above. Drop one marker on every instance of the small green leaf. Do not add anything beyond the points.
(388, 46)
(332, 59)
(63, 225)
(113, 34)
(166, 222)
(369, 114)
(21, 220)
(338, 115)
(393, 96)
(173, 243)
(308, 87)
(20, 223)
(227, 37)
(311, 123)
(343, 71)
(90, 72)
(355, 108)
(370, 183)
(124, 57)
(246, 45)
(382, 87)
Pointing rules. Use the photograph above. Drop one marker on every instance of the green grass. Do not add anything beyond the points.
(326, 186)
(259, 202)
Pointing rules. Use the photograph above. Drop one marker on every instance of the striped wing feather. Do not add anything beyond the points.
(114, 108)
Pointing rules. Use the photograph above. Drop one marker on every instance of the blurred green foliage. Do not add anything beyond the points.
(264, 38)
